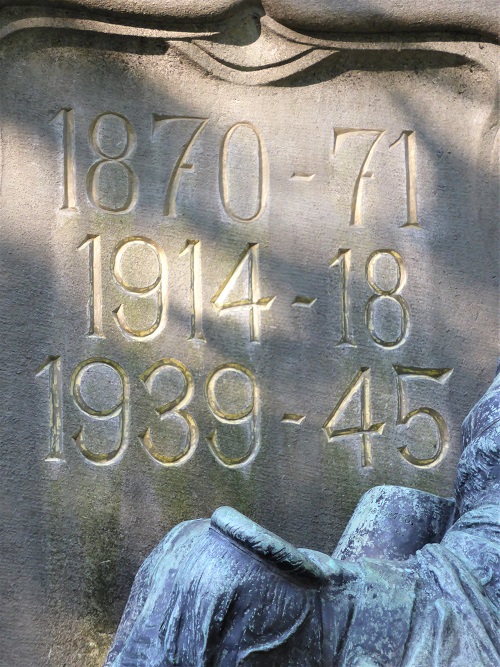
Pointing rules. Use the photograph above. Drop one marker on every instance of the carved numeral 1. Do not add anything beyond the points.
(53, 366)
(343, 260)
(95, 281)
(157, 289)
(69, 187)
(407, 137)
(366, 428)
(193, 248)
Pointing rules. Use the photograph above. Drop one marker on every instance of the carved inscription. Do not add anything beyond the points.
(52, 366)
(248, 415)
(390, 294)
(136, 268)
(361, 386)
(113, 139)
(263, 177)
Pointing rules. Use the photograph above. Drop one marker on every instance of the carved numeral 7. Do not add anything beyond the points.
(339, 134)
(440, 375)
(182, 163)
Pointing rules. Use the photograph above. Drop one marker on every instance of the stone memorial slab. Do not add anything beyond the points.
(249, 257)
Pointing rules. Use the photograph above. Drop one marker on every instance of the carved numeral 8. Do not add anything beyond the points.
(391, 294)
(108, 158)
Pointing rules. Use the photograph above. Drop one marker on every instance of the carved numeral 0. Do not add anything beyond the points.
(343, 260)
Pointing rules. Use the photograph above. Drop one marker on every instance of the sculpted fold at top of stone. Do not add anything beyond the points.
(335, 16)
(373, 16)
(176, 11)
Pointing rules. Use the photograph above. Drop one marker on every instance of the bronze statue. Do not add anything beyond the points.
(414, 582)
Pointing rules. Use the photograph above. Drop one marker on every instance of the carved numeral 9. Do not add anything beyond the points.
(408, 139)
(121, 410)
(249, 414)
(158, 288)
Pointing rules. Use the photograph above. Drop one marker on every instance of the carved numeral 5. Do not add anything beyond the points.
(440, 375)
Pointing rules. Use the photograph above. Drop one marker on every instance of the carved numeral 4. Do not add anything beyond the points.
(254, 303)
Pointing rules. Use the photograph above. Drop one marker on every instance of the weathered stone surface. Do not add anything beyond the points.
(158, 146)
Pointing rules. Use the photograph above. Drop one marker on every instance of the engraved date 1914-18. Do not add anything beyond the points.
(253, 303)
